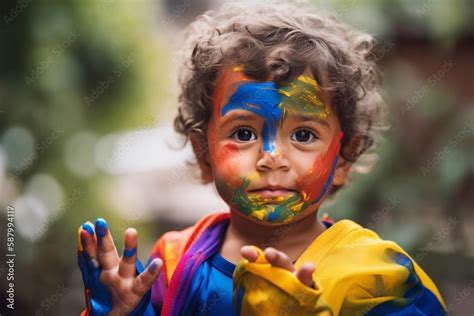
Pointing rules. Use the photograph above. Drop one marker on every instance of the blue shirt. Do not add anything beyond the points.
(211, 288)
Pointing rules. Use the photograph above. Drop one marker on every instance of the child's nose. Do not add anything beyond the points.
(269, 161)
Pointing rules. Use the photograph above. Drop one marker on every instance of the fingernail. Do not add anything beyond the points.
(87, 227)
(101, 227)
(129, 252)
(154, 265)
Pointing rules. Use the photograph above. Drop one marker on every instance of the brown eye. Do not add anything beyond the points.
(303, 136)
(243, 135)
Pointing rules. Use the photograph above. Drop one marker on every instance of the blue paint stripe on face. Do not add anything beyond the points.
(326, 187)
(263, 99)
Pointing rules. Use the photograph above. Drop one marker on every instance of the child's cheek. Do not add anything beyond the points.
(315, 182)
(225, 158)
(226, 171)
(226, 162)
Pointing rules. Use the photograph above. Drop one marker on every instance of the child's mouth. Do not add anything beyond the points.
(269, 194)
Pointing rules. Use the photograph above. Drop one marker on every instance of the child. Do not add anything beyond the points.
(278, 104)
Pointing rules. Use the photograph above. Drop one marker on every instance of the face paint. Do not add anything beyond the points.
(228, 152)
(316, 182)
(273, 210)
(301, 97)
(263, 99)
(273, 104)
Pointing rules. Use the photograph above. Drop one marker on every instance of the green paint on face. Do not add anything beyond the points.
(301, 96)
(277, 210)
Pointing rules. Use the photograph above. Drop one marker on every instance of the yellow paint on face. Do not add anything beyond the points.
(301, 97)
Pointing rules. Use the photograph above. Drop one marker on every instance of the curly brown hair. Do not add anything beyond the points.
(281, 41)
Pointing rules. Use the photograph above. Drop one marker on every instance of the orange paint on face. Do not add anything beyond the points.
(313, 183)
(224, 155)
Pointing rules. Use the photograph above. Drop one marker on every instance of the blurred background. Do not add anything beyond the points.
(88, 92)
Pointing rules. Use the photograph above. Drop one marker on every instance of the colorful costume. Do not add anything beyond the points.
(357, 273)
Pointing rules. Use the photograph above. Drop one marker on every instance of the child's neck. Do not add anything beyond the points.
(292, 238)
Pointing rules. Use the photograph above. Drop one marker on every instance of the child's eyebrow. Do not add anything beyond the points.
(309, 118)
(232, 115)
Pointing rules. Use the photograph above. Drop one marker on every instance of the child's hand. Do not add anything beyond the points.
(117, 274)
(279, 259)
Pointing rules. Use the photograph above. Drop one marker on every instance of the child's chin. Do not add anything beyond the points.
(269, 215)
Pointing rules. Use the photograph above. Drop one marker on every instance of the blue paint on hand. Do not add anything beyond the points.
(129, 252)
(101, 227)
(88, 228)
(153, 266)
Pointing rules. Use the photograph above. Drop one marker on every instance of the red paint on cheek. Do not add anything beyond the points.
(224, 158)
(315, 180)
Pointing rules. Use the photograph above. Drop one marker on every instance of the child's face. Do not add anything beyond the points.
(273, 149)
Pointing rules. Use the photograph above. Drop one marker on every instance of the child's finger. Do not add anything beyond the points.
(304, 274)
(89, 242)
(80, 246)
(129, 257)
(249, 253)
(145, 279)
(106, 251)
(278, 259)
(82, 257)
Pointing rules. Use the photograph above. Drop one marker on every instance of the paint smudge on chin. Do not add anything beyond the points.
(316, 182)
(280, 209)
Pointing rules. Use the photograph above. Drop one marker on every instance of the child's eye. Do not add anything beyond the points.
(303, 136)
(243, 135)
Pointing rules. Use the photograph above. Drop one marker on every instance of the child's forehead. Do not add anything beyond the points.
(231, 77)
(303, 93)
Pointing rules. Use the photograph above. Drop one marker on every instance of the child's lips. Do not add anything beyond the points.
(266, 193)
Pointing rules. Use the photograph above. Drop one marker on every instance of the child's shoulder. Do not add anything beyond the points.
(353, 239)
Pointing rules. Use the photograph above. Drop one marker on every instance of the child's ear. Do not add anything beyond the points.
(201, 151)
(341, 173)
